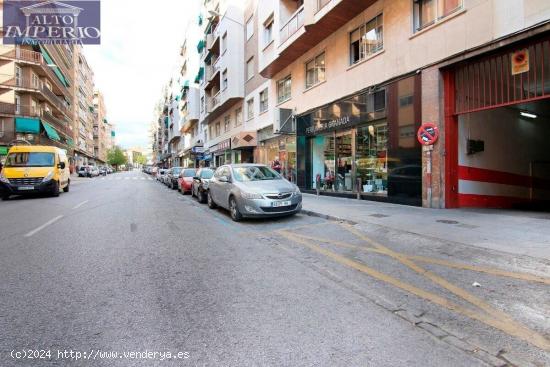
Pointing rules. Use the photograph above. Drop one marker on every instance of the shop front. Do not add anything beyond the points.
(221, 153)
(278, 152)
(364, 144)
(243, 145)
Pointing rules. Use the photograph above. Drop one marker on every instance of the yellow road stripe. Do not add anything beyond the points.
(429, 260)
(503, 323)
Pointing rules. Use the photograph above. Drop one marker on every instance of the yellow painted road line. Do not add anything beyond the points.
(503, 322)
(429, 260)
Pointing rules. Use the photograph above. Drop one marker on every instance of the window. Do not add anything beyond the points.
(17, 104)
(227, 123)
(264, 101)
(284, 89)
(18, 76)
(34, 107)
(315, 70)
(250, 28)
(366, 40)
(224, 79)
(218, 129)
(250, 68)
(35, 80)
(238, 117)
(428, 12)
(202, 104)
(250, 108)
(224, 42)
(211, 133)
(268, 31)
(405, 101)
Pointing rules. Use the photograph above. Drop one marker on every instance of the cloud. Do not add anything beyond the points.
(138, 53)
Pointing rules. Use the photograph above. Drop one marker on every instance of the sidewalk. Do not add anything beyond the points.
(516, 232)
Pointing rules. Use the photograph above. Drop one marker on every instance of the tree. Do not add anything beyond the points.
(141, 159)
(116, 157)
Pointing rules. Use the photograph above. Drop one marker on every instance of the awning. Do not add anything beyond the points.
(200, 46)
(4, 150)
(50, 131)
(27, 125)
(55, 69)
(199, 75)
(166, 121)
(113, 134)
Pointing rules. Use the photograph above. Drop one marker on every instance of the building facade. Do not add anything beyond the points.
(334, 94)
(36, 96)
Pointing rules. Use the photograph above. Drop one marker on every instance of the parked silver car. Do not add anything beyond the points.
(253, 190)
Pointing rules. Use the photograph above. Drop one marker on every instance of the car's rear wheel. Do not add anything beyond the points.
(234, 210)
(210, 201)
(66, 188)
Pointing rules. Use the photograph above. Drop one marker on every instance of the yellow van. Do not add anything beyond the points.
(34, 169)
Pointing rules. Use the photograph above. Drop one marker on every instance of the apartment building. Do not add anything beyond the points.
(271, 147)
(221, 79)
(101, 128)
(358, 79)
(36, 96)
(83, 111)
(191, 150)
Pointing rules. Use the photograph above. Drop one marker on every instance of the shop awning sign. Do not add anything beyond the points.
(520, 62)
(427, 133)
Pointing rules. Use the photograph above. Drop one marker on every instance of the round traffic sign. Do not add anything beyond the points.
(427, 133)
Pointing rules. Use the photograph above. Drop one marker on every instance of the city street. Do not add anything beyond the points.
(124, 264)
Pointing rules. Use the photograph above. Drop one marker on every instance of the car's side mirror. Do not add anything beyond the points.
(61, 165)
(223, 179)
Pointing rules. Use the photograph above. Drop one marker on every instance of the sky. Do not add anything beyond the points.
(138, 54)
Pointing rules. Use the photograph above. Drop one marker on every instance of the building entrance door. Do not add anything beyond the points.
(344, 161)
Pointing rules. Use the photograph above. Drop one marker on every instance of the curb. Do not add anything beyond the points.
(327, 217)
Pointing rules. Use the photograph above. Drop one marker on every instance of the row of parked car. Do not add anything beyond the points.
(246, 190)
(94, 171)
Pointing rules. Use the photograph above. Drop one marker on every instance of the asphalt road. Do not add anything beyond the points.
(123, 264)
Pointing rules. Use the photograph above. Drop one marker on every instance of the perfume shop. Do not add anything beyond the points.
(364, 144)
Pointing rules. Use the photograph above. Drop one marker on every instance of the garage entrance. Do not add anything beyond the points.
(498, 129)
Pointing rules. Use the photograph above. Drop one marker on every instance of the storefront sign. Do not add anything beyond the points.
(221, 146)
(520, 62)
(327, 125)
(197, 149)
(427, 133)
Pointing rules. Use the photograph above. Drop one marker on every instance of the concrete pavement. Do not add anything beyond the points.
(129, 265)
(515, 232)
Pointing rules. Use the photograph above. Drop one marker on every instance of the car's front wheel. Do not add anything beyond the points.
(66, 188)
(210, 201)
(234, 210)
(55, 189)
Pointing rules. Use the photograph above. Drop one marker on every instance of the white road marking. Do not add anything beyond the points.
(52, 221)
(79, 205)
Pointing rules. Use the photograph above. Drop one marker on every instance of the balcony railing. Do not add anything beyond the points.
(20, 110)
(292, 25)
(55, 100)
(25, 83)
(60, 125)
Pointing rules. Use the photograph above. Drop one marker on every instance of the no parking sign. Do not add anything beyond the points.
(427, 133)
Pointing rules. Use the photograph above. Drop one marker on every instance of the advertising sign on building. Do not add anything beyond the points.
(520, 62)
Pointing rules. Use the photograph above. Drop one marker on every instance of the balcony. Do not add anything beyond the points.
(35, 58)
(21, 110)
(292, 25)
(59, 124)
(319, 23)
(212, 76)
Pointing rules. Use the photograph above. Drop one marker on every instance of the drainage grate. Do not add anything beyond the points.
(379, 215)
(445, 221)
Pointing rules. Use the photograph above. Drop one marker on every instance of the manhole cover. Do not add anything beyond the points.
(446, 221)
(379, 215)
